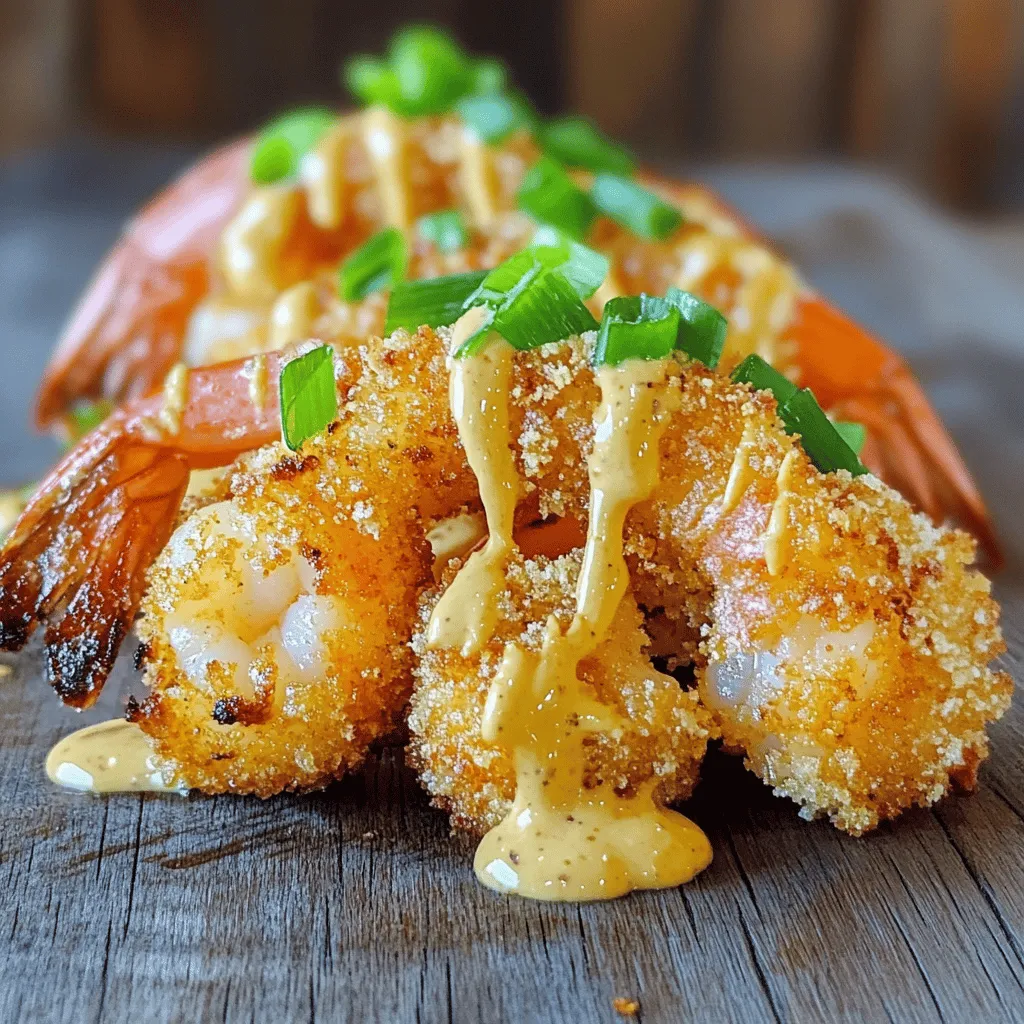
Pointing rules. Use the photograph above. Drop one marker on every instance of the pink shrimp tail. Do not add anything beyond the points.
(76, 559)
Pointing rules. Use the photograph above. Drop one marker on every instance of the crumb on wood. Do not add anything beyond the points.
(5, 671)
(369, 835)
(625, 1007)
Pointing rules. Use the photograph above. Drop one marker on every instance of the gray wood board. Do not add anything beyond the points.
(356, 904)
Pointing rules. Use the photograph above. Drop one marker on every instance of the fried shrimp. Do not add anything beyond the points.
(474, 780)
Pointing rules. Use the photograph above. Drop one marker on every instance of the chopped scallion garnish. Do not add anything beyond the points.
(801, 414)
(762, 376)
(496, 115)
(702, 328)
(446, 229)
(425, 72)
(534, 298)
(636, 327)
(309, 398)
(85, 417)
(854, 434)
(577, 143)
(435, 302)
(634, 207)
(584, 268)
(550, 196)
(283, 142)
(380, 262)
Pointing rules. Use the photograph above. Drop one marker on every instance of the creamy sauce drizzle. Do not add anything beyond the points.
(560, 840)
(111, 757)
(467, 613)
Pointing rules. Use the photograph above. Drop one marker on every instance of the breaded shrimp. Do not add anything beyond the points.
(882, 631)
(475, 780)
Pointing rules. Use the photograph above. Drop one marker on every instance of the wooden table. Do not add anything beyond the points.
(356, 904)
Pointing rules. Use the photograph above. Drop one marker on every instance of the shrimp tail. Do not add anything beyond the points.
(76, 559)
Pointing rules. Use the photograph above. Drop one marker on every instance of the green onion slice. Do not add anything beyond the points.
(550, 196)
(445, 229)
(854, 434)
(495, 115)
(762, 376)
(702, 328)
(534, 298)
(801, 414)
(425, 72)
(436, 302)
(380, 262)
(634, 207)
(584, 268)
(309, 399)
(636, 327)
(577, 143)
(283, 142)
(85, 417)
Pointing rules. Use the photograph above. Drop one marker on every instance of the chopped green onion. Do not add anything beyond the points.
(854, 434)
(309, 398)
(436, 302)
(380, 262)
(577, 143)
(446, 229)
(496, 115)
(584, 268)
(425, 72)
(489, 75)
(634, 207)
(532, 300)
(432, 69)
(636, 327)
(702, 328)
(823, 443)
(761, 376)
(86, 417)
(550, 196)
(283, 142)
(801, 414)
(545, 309)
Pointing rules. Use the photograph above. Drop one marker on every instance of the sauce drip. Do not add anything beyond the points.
(111, 757)
(560, 840)
(467, 613)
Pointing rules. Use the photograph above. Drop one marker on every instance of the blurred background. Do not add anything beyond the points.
(931, 90)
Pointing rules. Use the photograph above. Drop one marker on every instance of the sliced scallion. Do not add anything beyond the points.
(854, 434)
(436, 302)
(577, 143)
(762, 376)
(309, 398)
(545, 309)
(636, 327)
(495, 115)
(531, 300)
(801, 414)
(489, 75)
(446, 229)
(282, 143)
(634, 207)
(380, 262)
(702, 328)
(584, 268)
(85, 417)
(550, 196)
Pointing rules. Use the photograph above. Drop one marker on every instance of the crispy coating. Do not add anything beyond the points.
(840, 640)
(474, 781)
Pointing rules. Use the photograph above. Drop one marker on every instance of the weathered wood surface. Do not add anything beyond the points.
(355, 904)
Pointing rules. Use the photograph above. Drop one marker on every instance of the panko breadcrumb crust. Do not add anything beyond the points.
(666, 730)
(847, 552)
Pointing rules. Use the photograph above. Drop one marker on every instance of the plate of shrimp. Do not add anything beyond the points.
(442, 421)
